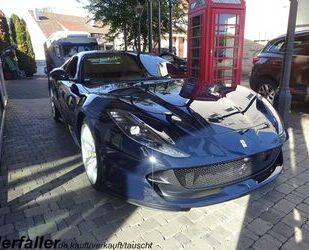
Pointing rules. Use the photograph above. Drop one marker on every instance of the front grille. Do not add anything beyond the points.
(221, 174)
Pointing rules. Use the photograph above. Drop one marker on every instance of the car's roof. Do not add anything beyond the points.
(102, 52)
(298, 33)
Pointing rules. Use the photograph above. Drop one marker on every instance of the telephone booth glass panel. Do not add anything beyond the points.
(226, 48)
(195, 41)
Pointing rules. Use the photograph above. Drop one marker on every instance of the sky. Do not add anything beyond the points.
(303, 10)
(70, 7)
(263, 23)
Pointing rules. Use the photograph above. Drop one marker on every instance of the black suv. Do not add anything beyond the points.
(266, 72)
(178, 62)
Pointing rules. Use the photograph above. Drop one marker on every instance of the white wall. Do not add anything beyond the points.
(37, 36)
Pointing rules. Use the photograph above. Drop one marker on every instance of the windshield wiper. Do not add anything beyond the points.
(132, 82)
(158, 78)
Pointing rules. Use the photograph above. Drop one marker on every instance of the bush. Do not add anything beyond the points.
(24, 50)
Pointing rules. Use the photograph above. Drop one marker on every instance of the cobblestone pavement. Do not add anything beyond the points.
(44, 191)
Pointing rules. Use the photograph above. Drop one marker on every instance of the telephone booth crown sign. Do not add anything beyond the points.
(215, 40)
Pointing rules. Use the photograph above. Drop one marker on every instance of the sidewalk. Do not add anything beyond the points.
(44, 191)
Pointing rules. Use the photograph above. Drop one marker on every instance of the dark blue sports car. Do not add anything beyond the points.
(161, 141)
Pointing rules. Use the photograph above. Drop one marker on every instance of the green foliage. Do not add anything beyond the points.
(5, 40)
(24, 50)
(118, 13)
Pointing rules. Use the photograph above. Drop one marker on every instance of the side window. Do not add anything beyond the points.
(57, 51)
(277, 47)
(71, 67)
(301, 46)
(168, 58)
(65, 65)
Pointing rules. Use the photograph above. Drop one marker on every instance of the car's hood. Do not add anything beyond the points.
(189, 113)
(228, 107)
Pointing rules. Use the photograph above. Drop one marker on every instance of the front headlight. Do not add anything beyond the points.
(279, 123)
(143, 134)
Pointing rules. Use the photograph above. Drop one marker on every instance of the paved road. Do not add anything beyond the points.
(44, 191)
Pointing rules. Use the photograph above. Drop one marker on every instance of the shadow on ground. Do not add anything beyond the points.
(44, 191)
(277, 216)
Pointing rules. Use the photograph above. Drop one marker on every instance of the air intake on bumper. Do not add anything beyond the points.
(179, 182)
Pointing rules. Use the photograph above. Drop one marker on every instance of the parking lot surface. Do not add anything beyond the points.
(45, 192)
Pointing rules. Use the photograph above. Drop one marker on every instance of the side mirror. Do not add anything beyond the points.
(75, 90)
(59, 75)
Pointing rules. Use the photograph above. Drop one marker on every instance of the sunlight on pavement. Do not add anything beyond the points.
(41, 167)
(297, 230)
(292, 151)
(298, 235)
(241, 215)
(27, 180)
(305, 129)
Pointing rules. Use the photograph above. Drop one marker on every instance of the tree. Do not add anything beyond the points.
(122, 13)
(5, 40)
(24, 50)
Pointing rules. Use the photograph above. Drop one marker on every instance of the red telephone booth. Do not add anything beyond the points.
(215, 40)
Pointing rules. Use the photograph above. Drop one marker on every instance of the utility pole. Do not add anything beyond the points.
(159, 26)
(125, 33)
(170, 6)
(150, 33)
(283, 97)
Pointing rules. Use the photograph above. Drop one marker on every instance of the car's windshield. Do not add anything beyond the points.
(111, 67)
(72, 49)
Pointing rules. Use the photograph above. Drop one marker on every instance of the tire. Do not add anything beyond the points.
(55, 111)
(92, 160)
(267, 88)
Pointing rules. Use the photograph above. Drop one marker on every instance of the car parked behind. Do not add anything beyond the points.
(266, 72)
(178, 62)
(62, 45)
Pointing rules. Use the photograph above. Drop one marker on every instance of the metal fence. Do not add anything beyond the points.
(3, 102)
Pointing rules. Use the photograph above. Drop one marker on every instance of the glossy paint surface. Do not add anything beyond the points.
(212, 124)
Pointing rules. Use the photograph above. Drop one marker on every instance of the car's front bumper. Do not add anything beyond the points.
(143, 190)
(227, 193)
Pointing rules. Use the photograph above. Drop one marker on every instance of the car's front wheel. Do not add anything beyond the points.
(268, 89)
(91, 158)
